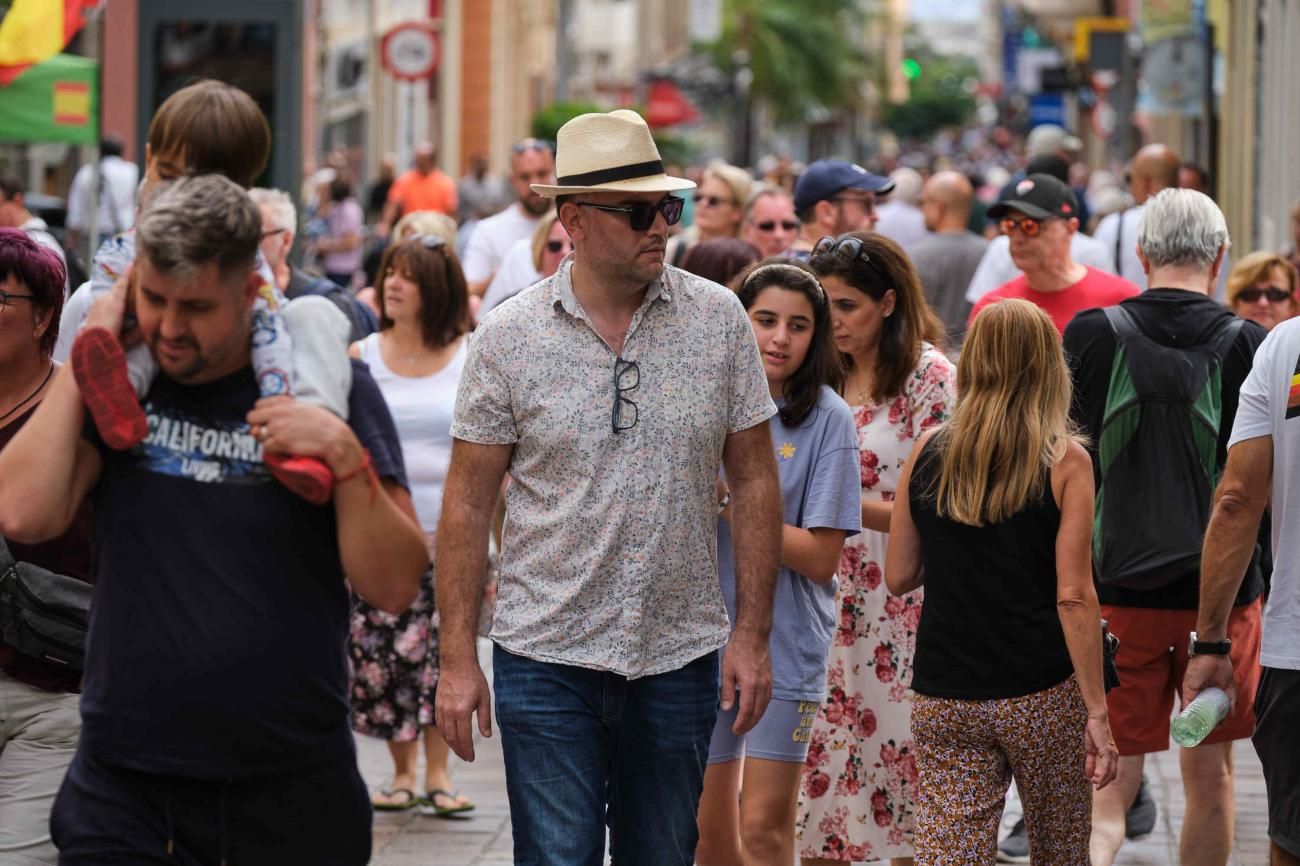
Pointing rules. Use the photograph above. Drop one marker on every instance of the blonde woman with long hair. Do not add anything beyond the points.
(996, 522)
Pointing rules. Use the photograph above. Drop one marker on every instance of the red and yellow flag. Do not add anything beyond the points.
(36, 30)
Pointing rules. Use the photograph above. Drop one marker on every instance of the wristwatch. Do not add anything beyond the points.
(1207, 647)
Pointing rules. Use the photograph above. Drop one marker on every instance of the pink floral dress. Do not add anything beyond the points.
(858, 797)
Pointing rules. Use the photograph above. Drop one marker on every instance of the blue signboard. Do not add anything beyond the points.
(1046, 108)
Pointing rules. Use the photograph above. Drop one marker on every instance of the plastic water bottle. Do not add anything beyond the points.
(1198, 718)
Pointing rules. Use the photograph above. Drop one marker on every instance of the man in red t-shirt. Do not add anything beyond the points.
(423, 187)
(1039, 220)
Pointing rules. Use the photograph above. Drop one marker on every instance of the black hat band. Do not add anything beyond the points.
(609, 175)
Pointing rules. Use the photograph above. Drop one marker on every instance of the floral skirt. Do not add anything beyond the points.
(394, 661)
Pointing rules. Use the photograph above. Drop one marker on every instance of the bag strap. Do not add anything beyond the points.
(1221, 345)
(7, 560)
(1121, 322)
(1119, 244)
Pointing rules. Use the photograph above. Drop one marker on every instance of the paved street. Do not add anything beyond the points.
(483, 839)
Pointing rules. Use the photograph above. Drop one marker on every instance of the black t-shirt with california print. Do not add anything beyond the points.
(218, 627)
(1178, 319)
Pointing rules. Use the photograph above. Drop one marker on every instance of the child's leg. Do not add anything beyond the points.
(319, 332)
(273, 364)
(110, 381)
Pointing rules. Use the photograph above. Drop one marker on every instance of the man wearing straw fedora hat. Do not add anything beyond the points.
(612, 392)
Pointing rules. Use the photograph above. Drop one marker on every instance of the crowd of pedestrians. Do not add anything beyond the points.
(802, 531)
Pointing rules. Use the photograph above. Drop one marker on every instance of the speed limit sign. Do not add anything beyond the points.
(410, 51)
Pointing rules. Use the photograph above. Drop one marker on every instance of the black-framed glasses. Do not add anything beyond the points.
(848, 249)
(270, 233)
(641, 216)
(1254, 293)
(6, 297)
(712, 200)
(627, 375)
(770, 225)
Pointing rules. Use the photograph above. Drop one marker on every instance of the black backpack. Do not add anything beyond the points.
(1157, 452)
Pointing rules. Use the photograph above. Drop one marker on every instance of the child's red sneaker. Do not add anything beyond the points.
(99, 366)
(308, 477)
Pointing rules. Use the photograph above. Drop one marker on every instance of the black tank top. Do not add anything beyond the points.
(989, 626)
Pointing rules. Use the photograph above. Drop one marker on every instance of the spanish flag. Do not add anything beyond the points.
(36, 30)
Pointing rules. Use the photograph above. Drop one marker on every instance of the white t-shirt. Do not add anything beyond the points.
(997, 268)
(422, 408)
(116, 196)
(74, 313)
(515, 274)
(492, 239)
(1268, 409)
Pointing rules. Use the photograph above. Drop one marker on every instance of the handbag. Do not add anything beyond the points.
(1109, 647)
(43, 615)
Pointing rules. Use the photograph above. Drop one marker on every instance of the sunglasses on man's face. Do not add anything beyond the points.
(1254, 293)
(641, 215)
(770, 225)
(712, 200)
(1028, 226)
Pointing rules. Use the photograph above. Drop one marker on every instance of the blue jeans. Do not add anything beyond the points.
(585, 749)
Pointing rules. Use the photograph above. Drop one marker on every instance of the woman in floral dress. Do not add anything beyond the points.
(416, 359)
(858, 798)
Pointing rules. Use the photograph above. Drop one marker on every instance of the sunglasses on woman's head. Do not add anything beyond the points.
(641, 215)
(1253, 294)
(846, 250)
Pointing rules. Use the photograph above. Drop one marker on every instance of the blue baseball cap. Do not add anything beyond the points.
(825, 177)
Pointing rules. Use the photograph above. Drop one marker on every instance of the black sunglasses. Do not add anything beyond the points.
(641, 216)
(847, 250)
(627, 375)
(555, 246)
(712, 200)
(770, 225)
(1253, 294)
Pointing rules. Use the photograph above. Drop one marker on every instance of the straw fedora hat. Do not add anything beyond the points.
(608, 152)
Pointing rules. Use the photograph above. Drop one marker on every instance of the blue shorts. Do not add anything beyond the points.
(781, 735)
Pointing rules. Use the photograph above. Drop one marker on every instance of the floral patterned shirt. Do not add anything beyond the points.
(608, 559)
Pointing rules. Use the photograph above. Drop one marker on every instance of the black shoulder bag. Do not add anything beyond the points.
(43, 615)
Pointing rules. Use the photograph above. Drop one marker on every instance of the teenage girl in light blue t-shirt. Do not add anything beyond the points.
(815, 441)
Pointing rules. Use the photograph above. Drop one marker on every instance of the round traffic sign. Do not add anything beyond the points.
(410, 51)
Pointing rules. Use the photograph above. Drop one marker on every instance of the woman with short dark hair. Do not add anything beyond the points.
(41, 723)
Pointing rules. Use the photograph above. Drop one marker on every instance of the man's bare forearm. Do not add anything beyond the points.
(459, 570)
(756, 534)
(1229, 544)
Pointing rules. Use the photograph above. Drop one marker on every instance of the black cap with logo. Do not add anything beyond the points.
(1040, 196)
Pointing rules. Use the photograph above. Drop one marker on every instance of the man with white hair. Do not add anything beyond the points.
(279, 227)
(899, 218)
(1156, 382)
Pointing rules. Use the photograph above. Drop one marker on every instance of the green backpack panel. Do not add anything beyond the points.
(1157, 455)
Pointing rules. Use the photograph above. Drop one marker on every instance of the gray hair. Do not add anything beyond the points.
(761, 191)
(1182, 228)
(199, 220)
(279, 207)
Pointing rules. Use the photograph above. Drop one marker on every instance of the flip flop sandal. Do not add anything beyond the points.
(430, 805)
(412, 800)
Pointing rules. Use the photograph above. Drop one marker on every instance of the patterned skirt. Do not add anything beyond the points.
(394, 662)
